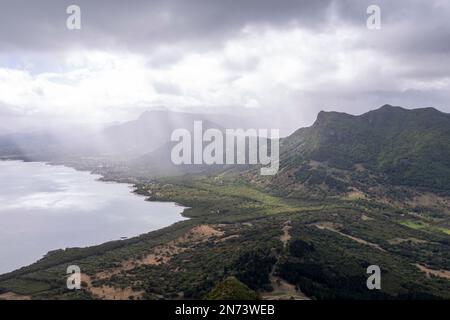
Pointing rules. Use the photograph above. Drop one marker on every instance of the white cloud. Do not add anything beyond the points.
(259, 68)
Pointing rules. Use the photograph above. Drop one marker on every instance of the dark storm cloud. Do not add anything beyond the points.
(420, 26)
(40, 25)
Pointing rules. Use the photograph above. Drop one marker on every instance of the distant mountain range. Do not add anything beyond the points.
(389, 145)
(123, 142)
(153, 129)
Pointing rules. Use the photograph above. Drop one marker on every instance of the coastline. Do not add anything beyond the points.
(132, 189)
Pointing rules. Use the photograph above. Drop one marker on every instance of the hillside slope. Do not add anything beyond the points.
(390, 145)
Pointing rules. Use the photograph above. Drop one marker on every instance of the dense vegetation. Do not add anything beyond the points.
(406, 147)
(351, 192)
(323, 263)
(231, 289)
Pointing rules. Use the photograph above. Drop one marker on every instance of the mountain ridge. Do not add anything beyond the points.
(411, 147)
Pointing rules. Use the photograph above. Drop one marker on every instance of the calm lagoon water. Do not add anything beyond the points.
(45, 207)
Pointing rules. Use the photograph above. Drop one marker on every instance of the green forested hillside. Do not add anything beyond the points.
(405, 147)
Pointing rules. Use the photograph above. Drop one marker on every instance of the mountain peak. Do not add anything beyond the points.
(325, 117)
(391, 108)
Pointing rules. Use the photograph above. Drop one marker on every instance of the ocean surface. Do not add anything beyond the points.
(44, 207)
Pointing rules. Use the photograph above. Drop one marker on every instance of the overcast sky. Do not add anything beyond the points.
(275, 59)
